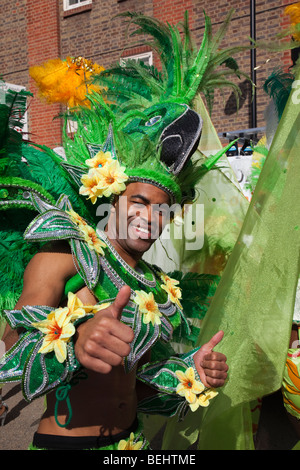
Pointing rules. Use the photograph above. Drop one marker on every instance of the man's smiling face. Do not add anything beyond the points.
(140, 215)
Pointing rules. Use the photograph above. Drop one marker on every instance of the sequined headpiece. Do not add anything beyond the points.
(142, 126)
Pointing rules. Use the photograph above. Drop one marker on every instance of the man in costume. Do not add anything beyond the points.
(90, 309)
(104, 404)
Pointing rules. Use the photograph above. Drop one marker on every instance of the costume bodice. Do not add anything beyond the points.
(146, 280)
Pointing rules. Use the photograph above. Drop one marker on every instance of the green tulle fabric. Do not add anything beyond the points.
(254, 301)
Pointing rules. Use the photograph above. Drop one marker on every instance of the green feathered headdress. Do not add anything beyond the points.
(143, 127)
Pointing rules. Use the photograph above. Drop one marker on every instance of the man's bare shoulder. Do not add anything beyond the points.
(57, 246)
(46, 274)
(53, 257)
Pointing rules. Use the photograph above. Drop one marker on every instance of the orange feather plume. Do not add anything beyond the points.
(66, 81)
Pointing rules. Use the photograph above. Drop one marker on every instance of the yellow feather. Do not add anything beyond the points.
(65, 82)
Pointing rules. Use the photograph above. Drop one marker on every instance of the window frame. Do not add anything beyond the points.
(68, 7)
(137, 57)
(17, 88)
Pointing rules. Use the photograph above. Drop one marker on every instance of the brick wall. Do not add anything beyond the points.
(96, 34)
(36, 31)
(28, 36)
(13, 42)
(43, 44)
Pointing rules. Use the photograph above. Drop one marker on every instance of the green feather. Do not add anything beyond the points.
(278, 86)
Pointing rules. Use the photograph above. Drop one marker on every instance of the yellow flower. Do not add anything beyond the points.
(90, 187)
(58, 330)
(75, 307)
(173, 292)
(165, 278)
(129, 444)
(76, 218)
(188, 387)
(96, 308)
(148, 307)
(112, 178)
(88, 232)
(99, 160)
(203, 399)
(172, 289)
(58, 327)
(92, 240)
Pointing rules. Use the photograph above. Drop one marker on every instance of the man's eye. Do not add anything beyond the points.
(137, 203)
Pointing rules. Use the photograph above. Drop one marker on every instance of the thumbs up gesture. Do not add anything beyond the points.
(211, 365)
(103, 341)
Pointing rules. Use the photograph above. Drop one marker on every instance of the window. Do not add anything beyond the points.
(71, 4)
(146, 57)
(10, 86)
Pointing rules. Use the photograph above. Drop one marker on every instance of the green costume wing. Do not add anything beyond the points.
(254, 302)
(26, 172)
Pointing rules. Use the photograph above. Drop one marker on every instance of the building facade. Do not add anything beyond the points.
(35, 31)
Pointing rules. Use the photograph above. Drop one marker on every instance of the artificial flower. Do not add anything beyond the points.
(76, 218)
(58, 330)
(171, 287)
(96, 308)
(129, 444)
(93, 240)
(165, 278)
(203, 399)
(90, 186)
(88, 233)
(58, 326)
(112, 178)
(99, 160)
(188, 386)
(148, 307)
(174, 293)
(75, 307)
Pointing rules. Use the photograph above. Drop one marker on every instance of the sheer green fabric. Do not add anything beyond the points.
(212, 223)
(254, 301)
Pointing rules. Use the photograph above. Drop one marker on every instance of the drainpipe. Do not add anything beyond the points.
(253, 61)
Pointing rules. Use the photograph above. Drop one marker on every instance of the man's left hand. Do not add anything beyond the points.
(211, 366)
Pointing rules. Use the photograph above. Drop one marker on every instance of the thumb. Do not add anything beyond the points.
(120, 302)
(208, 347)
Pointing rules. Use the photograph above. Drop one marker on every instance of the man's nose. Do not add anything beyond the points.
(148, 214)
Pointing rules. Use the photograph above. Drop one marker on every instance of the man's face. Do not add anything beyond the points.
(141, 213)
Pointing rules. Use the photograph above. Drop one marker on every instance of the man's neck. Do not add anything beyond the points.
(131, 260)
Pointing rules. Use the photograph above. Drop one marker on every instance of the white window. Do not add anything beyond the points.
(70, 4)
(10, 86)
(146, 57)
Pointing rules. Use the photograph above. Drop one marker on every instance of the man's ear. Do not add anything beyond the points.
(114, 202)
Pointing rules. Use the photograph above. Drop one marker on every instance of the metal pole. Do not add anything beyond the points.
(253, 61)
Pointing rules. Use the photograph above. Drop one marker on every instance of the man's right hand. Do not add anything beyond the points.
(103, 341)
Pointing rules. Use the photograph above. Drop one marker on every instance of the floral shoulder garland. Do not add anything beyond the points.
(178, 385)
(44, 357)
